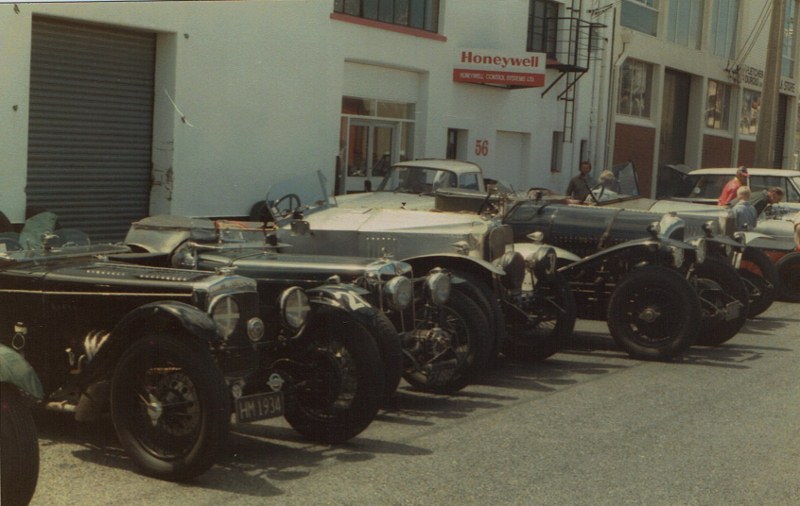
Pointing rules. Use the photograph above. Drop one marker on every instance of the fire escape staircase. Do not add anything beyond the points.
(576, 41)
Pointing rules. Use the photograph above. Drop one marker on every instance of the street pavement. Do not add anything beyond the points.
(590, 426)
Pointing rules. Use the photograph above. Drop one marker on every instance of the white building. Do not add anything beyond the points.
(112, 111)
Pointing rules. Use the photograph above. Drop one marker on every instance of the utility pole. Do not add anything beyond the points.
(767, 115)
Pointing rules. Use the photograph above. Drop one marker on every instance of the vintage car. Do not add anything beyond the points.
(173, 355)
(20, 390)
(438, 349)
(476, 249)
(705, 185)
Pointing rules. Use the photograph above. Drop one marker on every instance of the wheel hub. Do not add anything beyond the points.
(649, 314)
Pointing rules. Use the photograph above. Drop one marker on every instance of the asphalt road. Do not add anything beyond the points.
(588, 427)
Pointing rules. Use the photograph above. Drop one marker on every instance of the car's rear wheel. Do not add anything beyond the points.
(170, 407)
(654, 313)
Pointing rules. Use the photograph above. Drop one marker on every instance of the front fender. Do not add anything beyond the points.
(349, 298)
(528, 248)
(452, 261)
(162, 316)
(14, 369)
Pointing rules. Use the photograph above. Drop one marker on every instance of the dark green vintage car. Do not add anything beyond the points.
(174, 355)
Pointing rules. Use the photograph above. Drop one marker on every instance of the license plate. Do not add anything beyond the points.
(255, 407)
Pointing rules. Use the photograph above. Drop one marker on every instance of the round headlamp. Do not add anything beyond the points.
(399, 292)
(701, 249)
(514, 266)
(294, 307)
(225, 313)
(437, 287)
(677, 256)
(543, 263)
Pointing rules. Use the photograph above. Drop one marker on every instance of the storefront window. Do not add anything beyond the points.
(421, 14)
(751, 103)
(724, 17)
(718, 101)
(640, 15)
(635, 88)
(685, 20)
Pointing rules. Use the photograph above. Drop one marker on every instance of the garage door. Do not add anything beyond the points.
(512, 162)
(90, 129)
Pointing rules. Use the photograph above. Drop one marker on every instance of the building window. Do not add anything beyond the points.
(751, 103)
(374, 134)
(685, 20)
(787, 52)
(718, 101)
(635, 88)
(724, 17)
(542, 27)
(640, 15)
(421, 14)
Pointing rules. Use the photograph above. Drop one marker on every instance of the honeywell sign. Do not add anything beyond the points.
(486, 66)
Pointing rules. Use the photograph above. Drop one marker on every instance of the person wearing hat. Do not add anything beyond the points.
(729, 190)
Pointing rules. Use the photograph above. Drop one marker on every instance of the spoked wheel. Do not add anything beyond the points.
(481, 294)
(170, 407)
(448, 347)
(789, 270)
(551, 311)
(337, 391)
(654, 313)
(724, 302)
(761, 279)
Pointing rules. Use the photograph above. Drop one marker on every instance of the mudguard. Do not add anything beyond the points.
(528, 248)
(424, 263)
(346, 298)
(17, 371)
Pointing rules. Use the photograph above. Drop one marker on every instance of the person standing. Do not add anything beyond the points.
(744, 212)
(729, 190)
(580, 185)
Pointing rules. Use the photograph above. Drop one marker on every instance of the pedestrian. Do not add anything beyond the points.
(729, 190)
(744, 212)
(580, 185)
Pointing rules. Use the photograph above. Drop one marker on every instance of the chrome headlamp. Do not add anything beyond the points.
(542, 263)
(437, 287)
(701, 249)
(294, 308)
(225, 313)
(677, 256)
(514, 266)
(399, 292)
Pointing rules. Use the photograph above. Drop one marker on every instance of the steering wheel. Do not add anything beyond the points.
(290, 198)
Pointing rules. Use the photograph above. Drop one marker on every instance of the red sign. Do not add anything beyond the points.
(495, 68)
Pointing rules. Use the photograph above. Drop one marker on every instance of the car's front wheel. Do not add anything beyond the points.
(169, 406)
(337, 391)
(789, 270)
(724, 302)
(761, 280)
(654, 313)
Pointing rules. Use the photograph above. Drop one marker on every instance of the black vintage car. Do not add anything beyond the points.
(438, 348)
(20, 390)
(174, 354)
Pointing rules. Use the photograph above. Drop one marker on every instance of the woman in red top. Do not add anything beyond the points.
(730, 188)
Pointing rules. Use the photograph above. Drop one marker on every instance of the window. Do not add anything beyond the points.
(685, 20)
(724, 17)
(542, 27)
(787, 51)
(635, 88)
(421, 14)
(718, 100)
(751, 103)
(640, 15)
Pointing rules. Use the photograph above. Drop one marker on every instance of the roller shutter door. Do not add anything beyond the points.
(90, 129)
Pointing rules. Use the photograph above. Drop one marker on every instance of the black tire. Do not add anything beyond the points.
(788, 268)
(554, 312)
(487, 300)
(390, 348)
(446, 355)
(19, 466)
(718, 286)
(194, 406)
(654, 313)
(761, 280)
(5, 224)
(341, 390)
